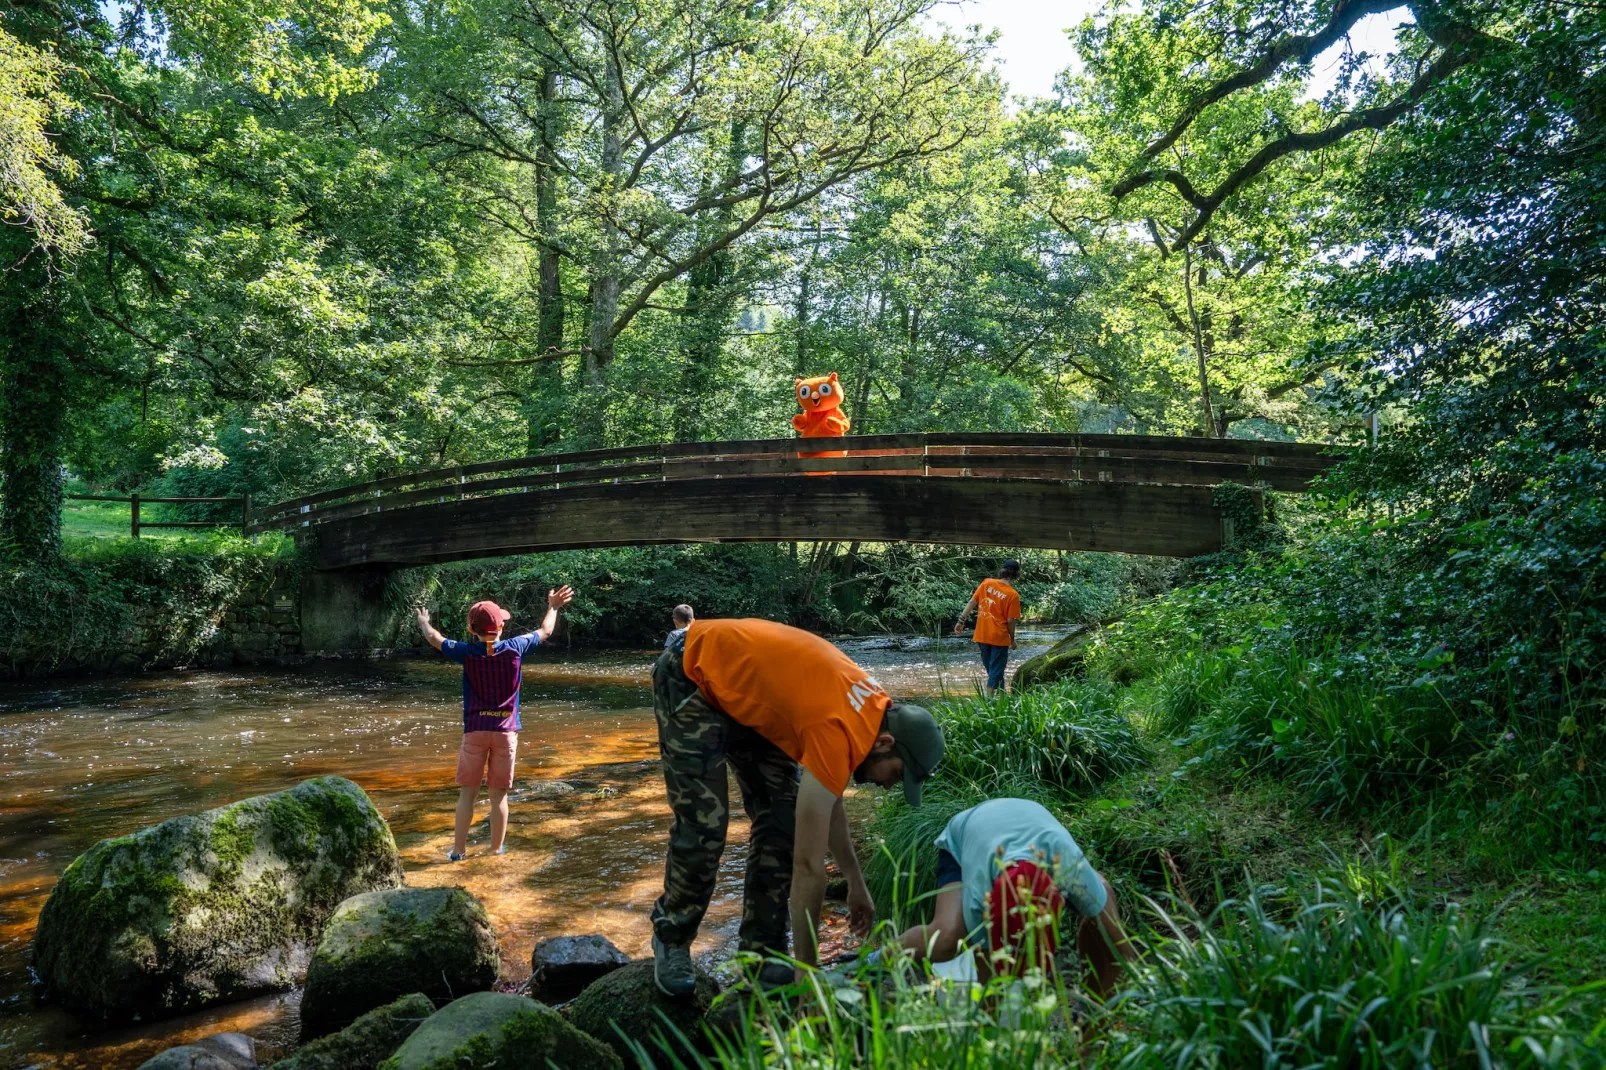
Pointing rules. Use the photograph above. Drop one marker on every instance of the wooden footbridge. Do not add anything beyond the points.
(1136, 494)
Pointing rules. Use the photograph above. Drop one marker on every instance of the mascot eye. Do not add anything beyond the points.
(803, 391)
(825, 390)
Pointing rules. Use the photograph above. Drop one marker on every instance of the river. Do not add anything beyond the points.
(82, 761)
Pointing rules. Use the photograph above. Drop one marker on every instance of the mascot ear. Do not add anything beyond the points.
(833, 377)
(796, 383)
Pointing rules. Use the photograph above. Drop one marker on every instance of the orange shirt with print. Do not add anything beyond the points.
(791, 687)
(996, 605)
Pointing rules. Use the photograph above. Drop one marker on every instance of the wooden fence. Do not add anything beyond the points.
(136, 523)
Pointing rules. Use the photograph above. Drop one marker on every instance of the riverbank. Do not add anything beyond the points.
(118, 605)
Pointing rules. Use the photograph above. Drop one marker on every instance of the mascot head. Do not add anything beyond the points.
(820, 393)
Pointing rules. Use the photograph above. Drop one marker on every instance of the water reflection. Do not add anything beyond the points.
(83, 761)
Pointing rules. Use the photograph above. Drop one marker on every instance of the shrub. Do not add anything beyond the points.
(1336, 978)
(1067, 737)
(1323, 725)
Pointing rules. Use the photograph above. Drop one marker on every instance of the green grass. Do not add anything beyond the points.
(109, 520)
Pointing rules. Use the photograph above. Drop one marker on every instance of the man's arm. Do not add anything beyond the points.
(1011, 626)
(940, 940)
(861, 908)
(431, 636)
(970, 607)
(815, 802)
(555, 600)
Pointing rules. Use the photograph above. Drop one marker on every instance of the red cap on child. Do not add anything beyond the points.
(1023, 914)
(486, 617)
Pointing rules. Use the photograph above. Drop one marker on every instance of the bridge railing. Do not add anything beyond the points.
(1288, 466)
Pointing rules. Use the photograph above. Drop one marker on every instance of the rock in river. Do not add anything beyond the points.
(384, 944)
(212, 907)
(222, 1051)
(629, 999)
(499, 1029)
(566, 964)
(365, 1043)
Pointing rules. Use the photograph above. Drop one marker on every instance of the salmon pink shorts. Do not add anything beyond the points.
(487, 756)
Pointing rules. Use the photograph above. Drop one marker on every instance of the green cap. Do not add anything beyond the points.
(917, 739)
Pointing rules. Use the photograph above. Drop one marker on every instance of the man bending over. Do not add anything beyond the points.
(765, 698)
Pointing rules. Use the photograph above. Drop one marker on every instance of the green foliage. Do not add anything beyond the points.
(66, 613)
(1337, 976)
(1326, 725)
(1067, 737)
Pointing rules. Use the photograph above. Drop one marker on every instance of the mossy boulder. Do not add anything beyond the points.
(1059, 661)
(365, 1043)
(213, 907)
(628, 998)
(380, 945)
(499, 1029)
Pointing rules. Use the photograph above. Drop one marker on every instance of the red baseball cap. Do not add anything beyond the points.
(486, 617)
(1023, 912)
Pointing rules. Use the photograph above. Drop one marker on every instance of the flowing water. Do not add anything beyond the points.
(81, 761)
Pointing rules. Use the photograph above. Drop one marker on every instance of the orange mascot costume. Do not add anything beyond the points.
(821, 399)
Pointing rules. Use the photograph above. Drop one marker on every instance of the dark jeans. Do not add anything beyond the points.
(699, 743)
(994, 658)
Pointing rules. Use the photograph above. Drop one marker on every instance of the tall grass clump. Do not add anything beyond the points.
(1328, 727)
(1066, 737)
(1338, 977)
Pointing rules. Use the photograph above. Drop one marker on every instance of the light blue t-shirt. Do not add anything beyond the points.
(988, 838)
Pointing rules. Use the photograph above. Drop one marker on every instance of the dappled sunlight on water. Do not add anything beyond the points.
(83, 761)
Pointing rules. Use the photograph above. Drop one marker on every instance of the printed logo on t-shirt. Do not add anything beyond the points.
(862, 690)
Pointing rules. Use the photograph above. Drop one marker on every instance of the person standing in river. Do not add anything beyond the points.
(767, 699)
(682, 615)
(492, 672)
(997, 609)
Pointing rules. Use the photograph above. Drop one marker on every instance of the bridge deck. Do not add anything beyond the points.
(1127, 493)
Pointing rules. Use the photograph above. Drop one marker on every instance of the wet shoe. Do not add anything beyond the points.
(672, 970)
(774, 975)
(453, 856)
(502, 850)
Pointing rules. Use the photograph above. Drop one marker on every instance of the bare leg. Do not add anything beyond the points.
(1102, 944)
(498, 818)
(465, 817)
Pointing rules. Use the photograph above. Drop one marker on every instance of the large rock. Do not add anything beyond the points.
(384, 944)
(1062, 659)
(213, 907)
(628, 998)
(499, 1029)
(563, 965)
(365, 1043)
(221, 1051)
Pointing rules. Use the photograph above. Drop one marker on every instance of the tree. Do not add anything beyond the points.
(688, 127)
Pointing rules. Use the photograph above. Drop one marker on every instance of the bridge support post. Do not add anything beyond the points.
(343, 612)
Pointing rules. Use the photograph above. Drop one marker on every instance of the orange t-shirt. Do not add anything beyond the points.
(793, 688)
(996, 605)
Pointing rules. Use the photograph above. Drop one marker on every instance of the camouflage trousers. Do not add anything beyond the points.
(697, 742)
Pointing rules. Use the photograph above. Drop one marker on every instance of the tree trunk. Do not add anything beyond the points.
(711, 298)
(605, 267)
(33, 414)
(804, 296)
(1207, 410)
(546, 384)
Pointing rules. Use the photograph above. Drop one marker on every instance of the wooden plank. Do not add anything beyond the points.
(1114, 517)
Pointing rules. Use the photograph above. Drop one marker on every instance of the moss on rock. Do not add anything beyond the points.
(365, 1043)
(211, 907)
(627, 1002)
(498, 1029)
(378, 945)
(1062, 659)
